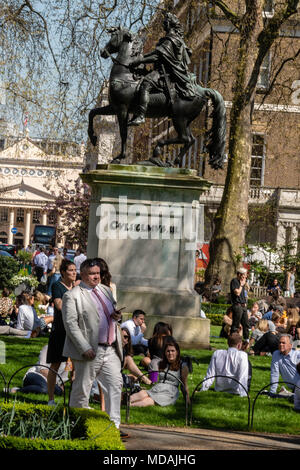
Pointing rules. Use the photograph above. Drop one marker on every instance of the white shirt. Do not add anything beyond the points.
(43, 360)
(78, 260)
(137, 337)
(284, 365)
(297, 396)
(41, 260)
(233, 363)
(27, 318)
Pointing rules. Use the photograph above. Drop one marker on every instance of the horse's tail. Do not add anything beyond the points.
(216, 136)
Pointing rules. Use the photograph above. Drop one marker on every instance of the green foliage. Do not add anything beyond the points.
(8, 268)
(24, 257)
(18, 279)
(215, 318)
(211, 308)
(92, 429)
(55, 426)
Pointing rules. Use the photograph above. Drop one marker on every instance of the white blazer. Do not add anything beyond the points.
(81, 321)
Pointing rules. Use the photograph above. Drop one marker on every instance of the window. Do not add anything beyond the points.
(3, 237)
(20, 216)
(3, 214)
(36, 217)
(52, 219)
(257, 160)
(264, 74)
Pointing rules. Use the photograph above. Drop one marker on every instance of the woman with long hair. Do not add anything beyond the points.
(156, 346)
(58, 333)
(105, 276)
(172, 371)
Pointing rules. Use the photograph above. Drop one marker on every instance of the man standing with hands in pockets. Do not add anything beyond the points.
(239, 305)
(93, 340)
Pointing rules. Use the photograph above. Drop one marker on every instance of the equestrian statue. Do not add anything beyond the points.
(169, 90)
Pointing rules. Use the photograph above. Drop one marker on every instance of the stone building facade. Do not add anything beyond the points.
(31, 175)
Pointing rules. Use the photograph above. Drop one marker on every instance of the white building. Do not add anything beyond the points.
(31, 174)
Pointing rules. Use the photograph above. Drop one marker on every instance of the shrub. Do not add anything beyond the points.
(8, 268)
(215, 318)
(94, 430)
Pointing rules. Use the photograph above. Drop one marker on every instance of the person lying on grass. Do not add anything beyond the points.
(172, 373)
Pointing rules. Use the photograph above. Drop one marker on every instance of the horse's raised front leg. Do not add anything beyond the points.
(104, 111)
(123, 126)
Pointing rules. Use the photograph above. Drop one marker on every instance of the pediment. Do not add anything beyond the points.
(23, 191)
(25, 149)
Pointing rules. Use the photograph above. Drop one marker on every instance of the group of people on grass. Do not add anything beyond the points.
(90, 345)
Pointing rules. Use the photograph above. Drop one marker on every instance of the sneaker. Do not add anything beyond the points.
(51, 403)
(285, 393)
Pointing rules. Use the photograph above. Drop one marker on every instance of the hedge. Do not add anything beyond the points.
(98, 432)
(216, 319)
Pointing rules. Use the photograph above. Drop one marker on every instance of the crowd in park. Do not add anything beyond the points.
(92, 345)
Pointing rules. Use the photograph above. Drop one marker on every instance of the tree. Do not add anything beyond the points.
(256, 37)
(9, 267)
(50, 57)
(72, 206)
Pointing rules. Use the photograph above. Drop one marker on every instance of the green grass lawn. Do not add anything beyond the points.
(210, 409)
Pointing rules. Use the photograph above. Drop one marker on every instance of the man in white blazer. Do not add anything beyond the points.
(93, 340)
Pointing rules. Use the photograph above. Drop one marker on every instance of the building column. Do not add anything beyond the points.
(294, 236)
(281, 234)
(44, 218)
(11, 225)
(27, 228)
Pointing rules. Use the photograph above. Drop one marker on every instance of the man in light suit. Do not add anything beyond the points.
(93, 340)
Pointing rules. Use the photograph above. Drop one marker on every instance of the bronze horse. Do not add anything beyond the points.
(123, 101)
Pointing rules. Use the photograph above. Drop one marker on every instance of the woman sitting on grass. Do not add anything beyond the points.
(171, 372)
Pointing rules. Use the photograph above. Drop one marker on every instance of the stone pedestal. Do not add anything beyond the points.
(145, 222)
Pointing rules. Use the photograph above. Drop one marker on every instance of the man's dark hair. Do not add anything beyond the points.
(137, 313)
(88, 263)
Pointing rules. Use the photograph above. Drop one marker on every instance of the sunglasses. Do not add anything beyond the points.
(125, 336)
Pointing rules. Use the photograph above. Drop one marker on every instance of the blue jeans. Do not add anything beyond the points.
(54, 278)
(34, 383)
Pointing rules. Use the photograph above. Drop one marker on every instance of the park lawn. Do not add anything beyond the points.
(210, 409)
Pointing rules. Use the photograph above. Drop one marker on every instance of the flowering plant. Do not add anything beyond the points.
(18, 279)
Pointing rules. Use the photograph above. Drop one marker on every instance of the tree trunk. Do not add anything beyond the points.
(231, 220)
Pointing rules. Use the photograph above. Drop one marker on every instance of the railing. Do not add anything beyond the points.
(215, 377)
(188, 404)
(259, 291)
(7, 385)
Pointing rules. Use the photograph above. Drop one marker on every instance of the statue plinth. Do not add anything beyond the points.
(145, 222)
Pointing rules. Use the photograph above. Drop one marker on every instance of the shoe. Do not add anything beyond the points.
(124, 435)
(51, 403)
(285, 393)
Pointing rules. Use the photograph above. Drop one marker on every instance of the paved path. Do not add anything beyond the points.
(158, 438)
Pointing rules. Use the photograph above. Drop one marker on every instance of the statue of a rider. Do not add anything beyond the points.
(171, 58)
